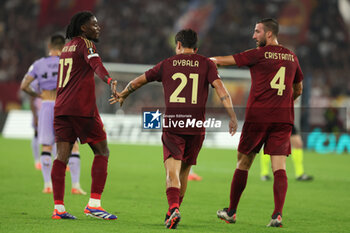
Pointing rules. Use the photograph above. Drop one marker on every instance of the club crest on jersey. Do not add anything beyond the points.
(91, 51)
(152, 120)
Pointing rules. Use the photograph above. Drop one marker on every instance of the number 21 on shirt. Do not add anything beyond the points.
(65, 62)
(174, 98)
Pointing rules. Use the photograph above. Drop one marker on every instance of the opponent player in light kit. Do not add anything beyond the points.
(44, 72)
(35, 104)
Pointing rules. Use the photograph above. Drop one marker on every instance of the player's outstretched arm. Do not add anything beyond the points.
(227, 102)
(297, 90)
(224, 60)
(130, 88)
(25, 86)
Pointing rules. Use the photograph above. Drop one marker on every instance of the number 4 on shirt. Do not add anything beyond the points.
(279, 77)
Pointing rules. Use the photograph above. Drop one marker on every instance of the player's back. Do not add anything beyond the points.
(273, 76)
(185, 79)
(75, 84)
(45, 71)
(274, 69)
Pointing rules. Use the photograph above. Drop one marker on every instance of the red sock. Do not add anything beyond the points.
(280, 186)
(58, 175)
(180, 200)
(98, 175)
(173, 195)
(238, 184)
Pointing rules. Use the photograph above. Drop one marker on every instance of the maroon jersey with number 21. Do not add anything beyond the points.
(185, 79)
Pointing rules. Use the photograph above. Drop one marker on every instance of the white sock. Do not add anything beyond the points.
(94, 202)
(46, 164)
(75, 185)
(60, 208)
(48, 185)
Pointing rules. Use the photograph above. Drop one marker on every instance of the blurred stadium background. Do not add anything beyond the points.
(136, 34)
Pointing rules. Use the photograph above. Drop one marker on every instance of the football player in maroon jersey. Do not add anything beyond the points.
(276, 82)
(76, 114)
(186, 78)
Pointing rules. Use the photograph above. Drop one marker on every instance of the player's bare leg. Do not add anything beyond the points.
(238, 185)
(184, 172)
(173, 184)
(99, 176)
(74, 164)
(46, 163)
(58, 175)
(278, 164)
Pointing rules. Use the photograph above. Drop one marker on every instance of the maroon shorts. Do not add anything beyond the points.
(182, 147)
(87, 129)
(274, 136)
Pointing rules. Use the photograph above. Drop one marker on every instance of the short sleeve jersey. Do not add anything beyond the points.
(75, 83)
(274, 70)
(35, 86)
(45, 72)
(185, 79)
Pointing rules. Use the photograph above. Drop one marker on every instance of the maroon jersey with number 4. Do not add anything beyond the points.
(185, 79)
(75, 83)
(274, 70)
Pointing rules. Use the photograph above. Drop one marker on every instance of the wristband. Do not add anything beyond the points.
(109, 80)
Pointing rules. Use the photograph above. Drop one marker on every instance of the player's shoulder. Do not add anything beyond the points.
(253, 50)
(278, 48)
(193, 56)
(85, 42)
(188, 59)
(288, 50)
(39, 61)
(204, 58)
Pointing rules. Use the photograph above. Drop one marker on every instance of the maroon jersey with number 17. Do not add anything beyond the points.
(75, 83)
(274, 70)
(185, 79)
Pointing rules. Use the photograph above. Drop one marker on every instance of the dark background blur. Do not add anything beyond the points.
(141, 32)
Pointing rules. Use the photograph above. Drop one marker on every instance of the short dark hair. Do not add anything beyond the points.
(187, 37)
(270, 25)
(74, 27)
(57, 41)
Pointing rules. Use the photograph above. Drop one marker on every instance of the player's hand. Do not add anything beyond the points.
(233, 126)
(114, 88)
(117, 98)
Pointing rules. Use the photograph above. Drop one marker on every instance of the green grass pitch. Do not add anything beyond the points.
(135, 191)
